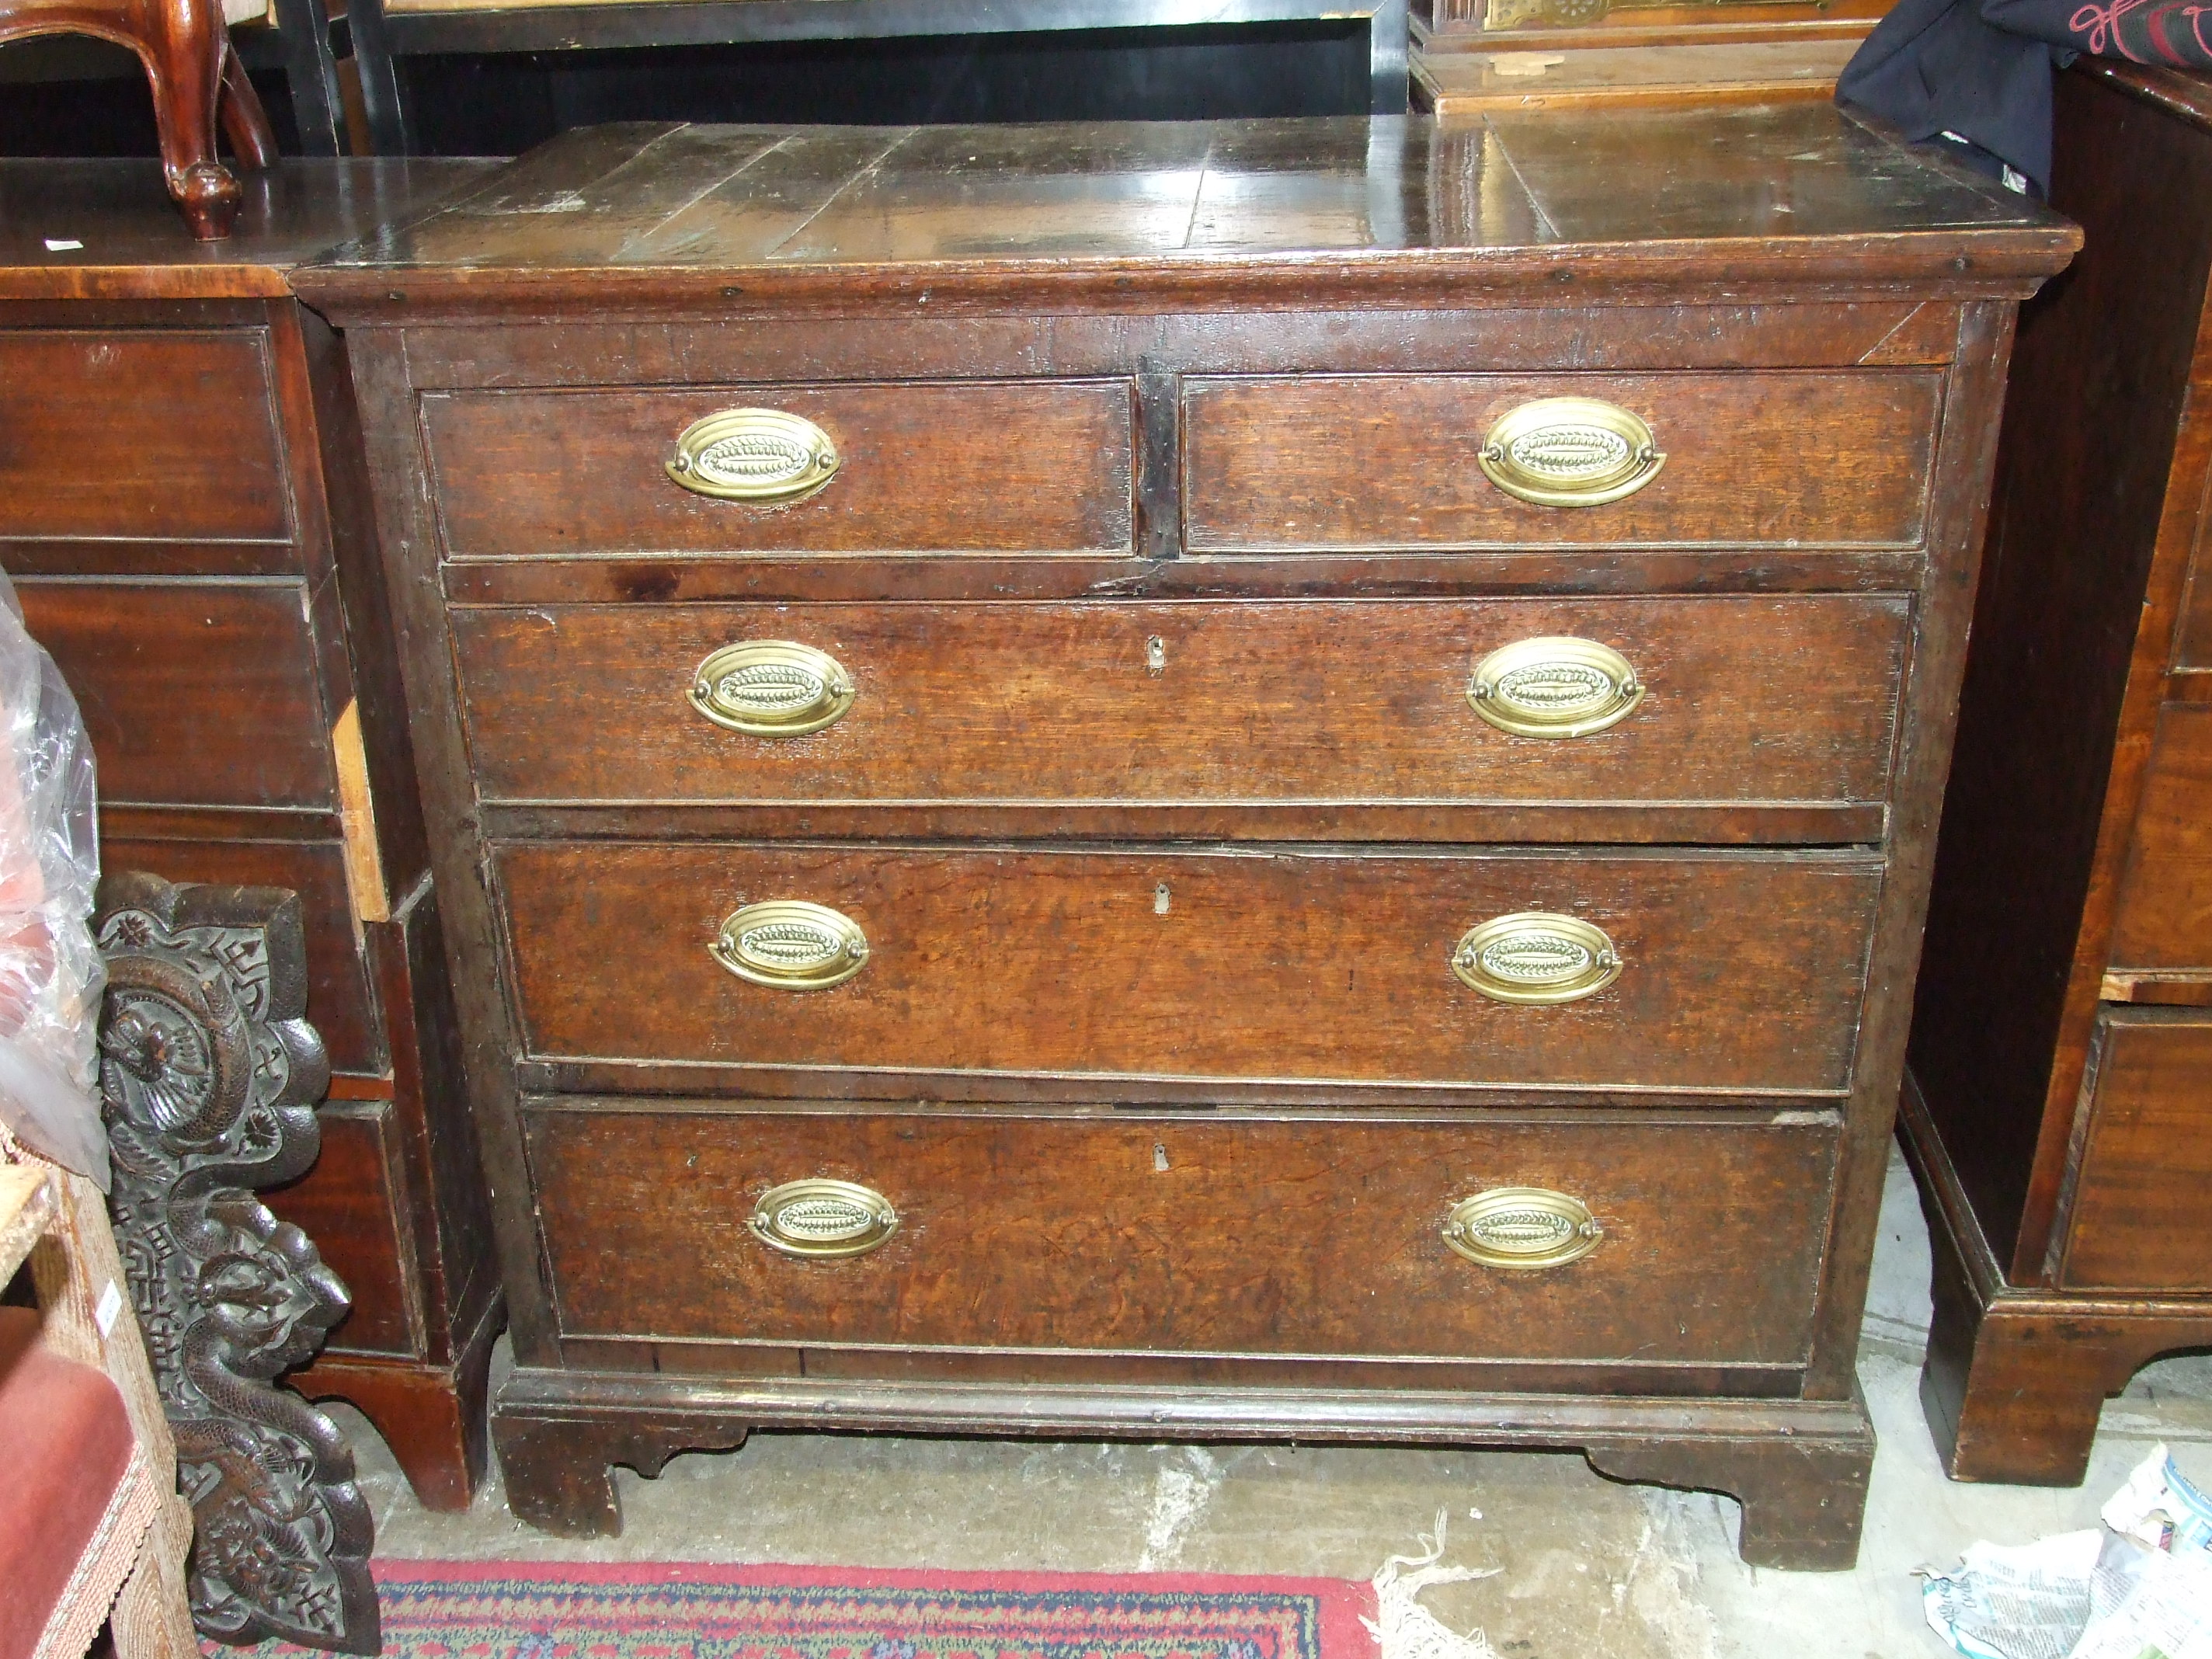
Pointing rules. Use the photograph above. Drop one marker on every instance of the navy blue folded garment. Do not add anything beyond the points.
(1974, 75)
(1943, 74)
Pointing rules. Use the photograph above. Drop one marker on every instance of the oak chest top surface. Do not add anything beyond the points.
(1346, 206)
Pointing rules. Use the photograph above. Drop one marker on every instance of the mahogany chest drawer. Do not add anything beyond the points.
(165, 435)
(1680, 970)
(193, 693)
(965, 466)
(2134, 1202)
(1716, 699)
(1228, 1234)
(1416, 461)
(2164, 919)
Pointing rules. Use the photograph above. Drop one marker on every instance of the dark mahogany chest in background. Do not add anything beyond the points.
(1260, 780)
(2060, 1109)
(183, 513)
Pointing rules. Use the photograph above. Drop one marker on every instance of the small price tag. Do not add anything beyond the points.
(110, 1308)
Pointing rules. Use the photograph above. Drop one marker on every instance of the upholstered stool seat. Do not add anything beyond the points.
(75, 1496)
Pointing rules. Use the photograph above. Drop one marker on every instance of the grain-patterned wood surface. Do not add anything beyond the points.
(1197, 1233)
(1301, 702)
(194, 694)
(2165, 905)
(2145, 1156)
(1358, 461)
(1026, 466)
(167, 435)
(1741, 972)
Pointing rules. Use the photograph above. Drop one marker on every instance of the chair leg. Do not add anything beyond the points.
(243, 117)
(182, 45)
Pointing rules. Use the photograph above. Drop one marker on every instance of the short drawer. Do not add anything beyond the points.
(2136, 1218)
(1716, 700)
(1038, 466)
(1309, 1234)
(166, 435)
(2164, 920)
(1735, 971)
(1765, 458)
(195, 694)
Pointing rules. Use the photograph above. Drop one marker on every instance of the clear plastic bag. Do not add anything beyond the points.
(51, 975)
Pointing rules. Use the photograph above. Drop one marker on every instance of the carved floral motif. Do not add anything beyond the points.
(209, 1079)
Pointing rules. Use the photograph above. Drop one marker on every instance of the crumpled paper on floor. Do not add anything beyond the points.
(2139, 1588)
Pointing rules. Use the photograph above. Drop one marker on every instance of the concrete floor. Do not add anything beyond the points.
(1587, 1568)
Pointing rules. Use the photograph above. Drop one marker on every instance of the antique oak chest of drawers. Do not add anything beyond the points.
(1242, 781)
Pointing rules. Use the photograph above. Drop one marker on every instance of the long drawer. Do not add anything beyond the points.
(1709, 699)
(1299, 1234)
(1042, 466)
(1772, 458)
(1685, 970)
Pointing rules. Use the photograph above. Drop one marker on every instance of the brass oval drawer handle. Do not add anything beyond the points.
(1536, 956)
(791, 946)
(823, 1219)
(1555, 687)
(772, 689)
(1522, 1228)
(753, 455)
(1569, 452)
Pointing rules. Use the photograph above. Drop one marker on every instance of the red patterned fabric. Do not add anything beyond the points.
(671, 1610)
(64, 1446)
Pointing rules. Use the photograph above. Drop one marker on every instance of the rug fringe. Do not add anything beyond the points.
(1403, 1628)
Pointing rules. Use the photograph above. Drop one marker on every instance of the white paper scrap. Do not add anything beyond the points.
(2030, 1602)
(63, 245)
(2139, 1589)
(2155, 1505)
(111, 1305)
(2167, 1612)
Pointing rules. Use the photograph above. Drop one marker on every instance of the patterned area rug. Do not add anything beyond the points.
(560, 1610)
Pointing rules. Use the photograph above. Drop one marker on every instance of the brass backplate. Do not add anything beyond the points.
(771, 689)
(791, 946)
(823, 1219)
(1554, 687)
(767, 456)
(1569, 452)
(1522, 1228)
(1536, 956)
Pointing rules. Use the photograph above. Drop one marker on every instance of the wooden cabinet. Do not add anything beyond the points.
(2057, 1101)
(183, 512)
(1284, 793)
